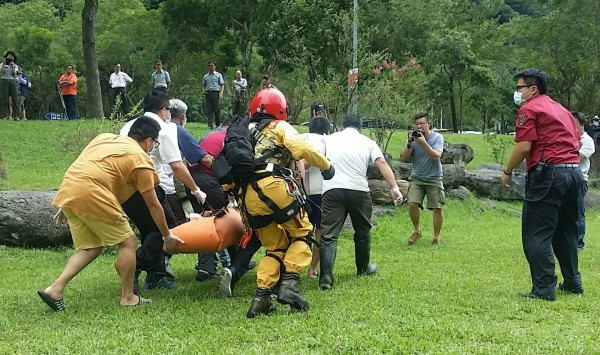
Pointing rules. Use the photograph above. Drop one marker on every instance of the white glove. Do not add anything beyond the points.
(199, 195)
(59, 218)
(396, 195)
(172, 242)
(194, 216)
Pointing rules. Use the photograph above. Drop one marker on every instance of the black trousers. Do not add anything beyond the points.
(120, 92)
(70, 105)
(549, 227)
(177, 208)
(337, 205)
(213, 108)
(150, 256)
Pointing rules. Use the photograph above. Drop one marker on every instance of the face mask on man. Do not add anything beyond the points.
(517, 97)
(8, 60)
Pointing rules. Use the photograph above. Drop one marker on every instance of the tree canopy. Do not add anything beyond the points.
(453, 58)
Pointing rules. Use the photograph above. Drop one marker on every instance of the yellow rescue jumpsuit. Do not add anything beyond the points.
(295, 254)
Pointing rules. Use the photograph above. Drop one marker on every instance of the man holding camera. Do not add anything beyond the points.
(424, 147)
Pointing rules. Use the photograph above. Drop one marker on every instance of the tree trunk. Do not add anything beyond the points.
(88, 27)
(2, 168)
(455, 126)
(26, 220)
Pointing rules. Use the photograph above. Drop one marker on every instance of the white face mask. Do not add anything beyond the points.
(517, 97)
(168, 118)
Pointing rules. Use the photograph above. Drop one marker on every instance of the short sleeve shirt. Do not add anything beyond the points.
(69, 89)
(106, 173)
(313, 181)
(351, 153)
(551, 129)
(213, 81)
(424, 167)
(167, 152)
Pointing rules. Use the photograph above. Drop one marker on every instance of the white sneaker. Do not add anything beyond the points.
(225, 283)
(168, 269)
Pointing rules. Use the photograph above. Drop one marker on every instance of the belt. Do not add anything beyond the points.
(213, 91)
(562, 165)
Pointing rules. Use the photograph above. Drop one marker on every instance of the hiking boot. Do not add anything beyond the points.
(261, 303)
(414, 237)
(161, 283)
(289, 293)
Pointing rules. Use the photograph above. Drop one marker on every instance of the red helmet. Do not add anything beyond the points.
(269, 101)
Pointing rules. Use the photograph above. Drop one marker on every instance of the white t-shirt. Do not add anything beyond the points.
(313, 181)
(351, 153)
(586, 148)
(167, 152)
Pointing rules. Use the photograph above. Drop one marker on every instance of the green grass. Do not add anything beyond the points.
(458, 297)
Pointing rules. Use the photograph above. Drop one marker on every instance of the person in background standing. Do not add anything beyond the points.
(24, 87)
(240, 87)
(586, 149)
(118, 81)
(68, 88)
(160, 78)
(8, 85)
(212, 89)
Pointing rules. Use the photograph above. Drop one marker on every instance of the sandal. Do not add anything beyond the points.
(56, 305)
(141, 301)
(414, 237)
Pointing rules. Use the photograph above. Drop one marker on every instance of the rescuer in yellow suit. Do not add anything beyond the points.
(273, 202)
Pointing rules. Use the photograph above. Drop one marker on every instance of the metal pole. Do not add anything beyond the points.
(354, 54)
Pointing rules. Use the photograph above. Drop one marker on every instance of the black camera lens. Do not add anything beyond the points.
(416, 134)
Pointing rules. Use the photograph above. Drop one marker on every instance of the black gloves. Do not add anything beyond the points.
(328, 174)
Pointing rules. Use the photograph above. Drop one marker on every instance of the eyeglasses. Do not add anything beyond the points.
(519, 87)
(156, 143)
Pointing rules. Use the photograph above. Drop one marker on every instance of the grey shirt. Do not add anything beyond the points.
(161, 79)
(213, 81)
(424, 167)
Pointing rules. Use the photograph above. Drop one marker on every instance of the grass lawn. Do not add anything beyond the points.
(458, 297)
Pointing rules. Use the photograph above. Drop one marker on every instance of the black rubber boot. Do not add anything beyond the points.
(362, 255)
(326, 259)
(289, 292)
(261, 303)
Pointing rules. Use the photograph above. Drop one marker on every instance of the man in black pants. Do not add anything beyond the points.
(150, 255)
(547, 138)
(212, 89)
(348, 194)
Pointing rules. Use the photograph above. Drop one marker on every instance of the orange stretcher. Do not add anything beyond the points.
(210, 234)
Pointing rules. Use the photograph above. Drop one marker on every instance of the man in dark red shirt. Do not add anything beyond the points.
(546, 137)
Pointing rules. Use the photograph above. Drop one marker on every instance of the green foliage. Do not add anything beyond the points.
(499, 145)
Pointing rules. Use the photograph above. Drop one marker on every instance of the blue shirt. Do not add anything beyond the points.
(424, 167)
(213, 81)
(188, 146)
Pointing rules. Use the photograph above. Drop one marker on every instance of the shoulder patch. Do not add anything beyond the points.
(521, 119)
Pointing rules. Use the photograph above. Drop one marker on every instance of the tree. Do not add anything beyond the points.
(88, 29)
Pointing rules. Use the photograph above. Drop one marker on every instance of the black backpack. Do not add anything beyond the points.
(236, 161)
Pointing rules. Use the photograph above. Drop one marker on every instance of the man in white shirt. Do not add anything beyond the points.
(586, 149)
(118, 81)
(348, 194)
(150, 256)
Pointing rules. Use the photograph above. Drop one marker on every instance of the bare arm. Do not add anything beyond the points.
(386, 172)
(156, 210)
(518, 154)
(433, 154)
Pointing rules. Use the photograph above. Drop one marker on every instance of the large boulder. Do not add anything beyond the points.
(381, 194)
(460, 154)
(486, 182)
(26, 220)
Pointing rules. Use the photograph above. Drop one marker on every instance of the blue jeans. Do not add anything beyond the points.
(581, 214)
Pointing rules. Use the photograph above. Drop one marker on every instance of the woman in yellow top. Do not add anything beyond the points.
(108, 171)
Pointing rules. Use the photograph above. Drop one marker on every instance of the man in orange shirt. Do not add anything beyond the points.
(68, 87)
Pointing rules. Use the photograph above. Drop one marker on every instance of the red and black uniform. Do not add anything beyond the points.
(551, 192)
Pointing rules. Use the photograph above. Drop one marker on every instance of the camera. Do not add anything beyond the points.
(416, 134)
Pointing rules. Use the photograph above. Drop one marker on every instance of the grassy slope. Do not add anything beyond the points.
(458, 297)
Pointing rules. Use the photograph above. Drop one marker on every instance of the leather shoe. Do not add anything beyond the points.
(575, 290)
(534, 296)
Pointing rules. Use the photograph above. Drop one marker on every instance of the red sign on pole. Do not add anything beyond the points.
(353, 77)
